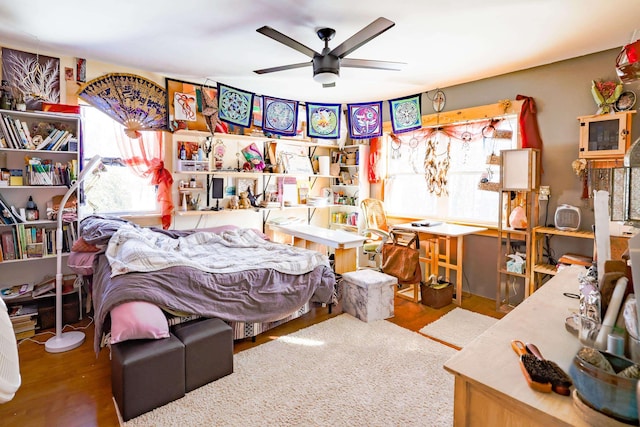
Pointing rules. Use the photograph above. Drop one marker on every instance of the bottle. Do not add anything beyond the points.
(32, 210)
(183, 153)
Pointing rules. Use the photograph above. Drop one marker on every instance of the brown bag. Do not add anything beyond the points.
(402, 260)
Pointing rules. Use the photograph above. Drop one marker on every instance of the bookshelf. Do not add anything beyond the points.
(39, 159)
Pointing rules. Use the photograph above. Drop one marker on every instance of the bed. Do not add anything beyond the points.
(235, 274)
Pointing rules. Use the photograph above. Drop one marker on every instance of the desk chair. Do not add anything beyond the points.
(377, 231)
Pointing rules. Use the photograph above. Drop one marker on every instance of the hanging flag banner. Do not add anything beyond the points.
(365, 120)
(235, 106)
(323, 121)
(280, 116)
(405, 114)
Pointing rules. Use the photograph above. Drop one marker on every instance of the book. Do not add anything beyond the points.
(25, 334)
(43, 287)
(8, 245)
(27, 132)
(22, 311)
(16, 291)
(24, 325)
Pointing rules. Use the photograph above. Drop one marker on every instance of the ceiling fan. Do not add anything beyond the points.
(326, 65)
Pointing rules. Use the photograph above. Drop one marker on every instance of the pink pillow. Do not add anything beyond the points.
(138, 320)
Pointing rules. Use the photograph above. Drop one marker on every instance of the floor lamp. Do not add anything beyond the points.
(66, 341)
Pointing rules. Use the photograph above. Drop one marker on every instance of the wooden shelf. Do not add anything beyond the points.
(539, 269)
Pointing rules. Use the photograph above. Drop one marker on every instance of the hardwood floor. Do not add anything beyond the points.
(74, 388)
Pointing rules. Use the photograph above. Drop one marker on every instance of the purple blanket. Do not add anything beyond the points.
(255, 296)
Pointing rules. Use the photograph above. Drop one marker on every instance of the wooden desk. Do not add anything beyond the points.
(436, 238)
(490, 389)
(315, 238)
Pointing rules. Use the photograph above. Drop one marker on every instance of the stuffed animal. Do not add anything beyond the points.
(234, 203)
(244, 202)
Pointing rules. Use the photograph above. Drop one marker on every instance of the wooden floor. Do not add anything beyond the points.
(74, 388)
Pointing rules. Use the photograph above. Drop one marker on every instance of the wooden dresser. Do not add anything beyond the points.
(490, 389)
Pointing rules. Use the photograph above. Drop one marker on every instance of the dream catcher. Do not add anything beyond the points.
(436, 166)
(133, 101)
(466, 138)
(396, 143)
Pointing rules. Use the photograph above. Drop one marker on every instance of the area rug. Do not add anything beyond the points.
(341, 372)
(458, 327)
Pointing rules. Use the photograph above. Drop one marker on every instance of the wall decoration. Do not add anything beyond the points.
(323, 120)
(68, 73)
(280, 116)
(81, 70)
(185, 106)
(206, 106)
(35, 77)
(405, 114)
(257, 111)
(131, 100)
(365, 120)
(235, 106)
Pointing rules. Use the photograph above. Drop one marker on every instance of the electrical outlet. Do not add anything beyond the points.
(544, 193)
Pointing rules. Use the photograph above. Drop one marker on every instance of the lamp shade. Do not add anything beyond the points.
(325, 77)
(520, 169)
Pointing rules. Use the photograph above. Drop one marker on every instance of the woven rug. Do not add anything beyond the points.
(341, 372)
(458, 327)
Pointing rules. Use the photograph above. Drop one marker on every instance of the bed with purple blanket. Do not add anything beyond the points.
(234, 274)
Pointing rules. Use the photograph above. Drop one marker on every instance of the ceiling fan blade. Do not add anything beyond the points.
(287, 41)
(368, 63)
(283, 68)
(372, 30)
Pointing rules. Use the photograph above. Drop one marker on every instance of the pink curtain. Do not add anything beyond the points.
(145, 157)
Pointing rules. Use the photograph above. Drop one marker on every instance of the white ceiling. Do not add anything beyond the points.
(442, 42)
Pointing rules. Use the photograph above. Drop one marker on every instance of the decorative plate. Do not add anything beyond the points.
(626, 101)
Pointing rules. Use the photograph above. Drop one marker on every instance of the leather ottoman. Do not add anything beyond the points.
(208, 345)
(146, 374)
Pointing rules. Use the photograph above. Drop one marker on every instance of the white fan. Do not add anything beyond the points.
(9, 364)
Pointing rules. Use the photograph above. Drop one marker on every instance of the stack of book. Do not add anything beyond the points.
(24, 318)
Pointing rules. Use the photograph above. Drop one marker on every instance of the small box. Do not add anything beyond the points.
(368, 294)
(436, 298)
(515, 267)
(15, 177)
(60, 108)
(193, 166)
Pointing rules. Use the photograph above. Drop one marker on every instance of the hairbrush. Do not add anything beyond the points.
(560, 382)
(531, 369)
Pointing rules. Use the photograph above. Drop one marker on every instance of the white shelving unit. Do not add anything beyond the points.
(33, 266)
(350, 187)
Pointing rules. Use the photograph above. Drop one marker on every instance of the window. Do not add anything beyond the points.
(409, 194)
(118, 190)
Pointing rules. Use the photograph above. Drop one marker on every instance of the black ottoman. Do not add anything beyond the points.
(146, 374)
(208, 349)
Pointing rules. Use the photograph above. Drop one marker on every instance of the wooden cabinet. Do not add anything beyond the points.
(605, 136)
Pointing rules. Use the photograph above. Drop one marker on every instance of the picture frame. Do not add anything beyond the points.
(296, 164)
(189, 89)
(242, 184)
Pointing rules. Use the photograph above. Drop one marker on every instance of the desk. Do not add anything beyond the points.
(451, 257)
(311, 237)
(489, 386)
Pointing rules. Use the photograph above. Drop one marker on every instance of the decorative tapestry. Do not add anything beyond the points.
(235, 106)
(405, 114)
(365, 120)
(280, 116)
(323, 121)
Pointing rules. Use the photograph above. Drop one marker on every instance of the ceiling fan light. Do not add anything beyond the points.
(325, 77)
